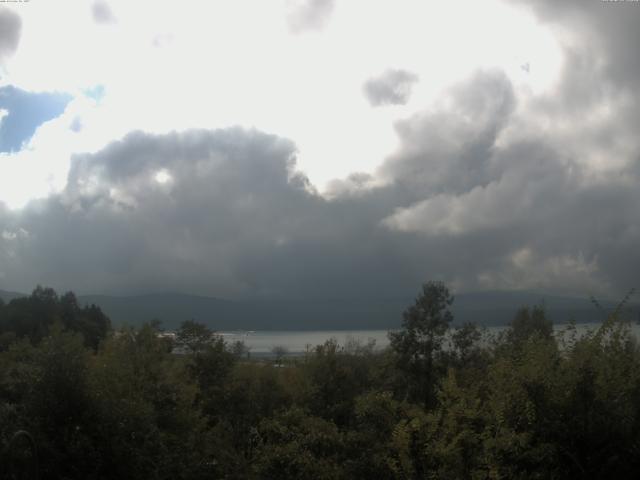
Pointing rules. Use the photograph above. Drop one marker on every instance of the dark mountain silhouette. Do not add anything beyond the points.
(484, 308)
(8, 296)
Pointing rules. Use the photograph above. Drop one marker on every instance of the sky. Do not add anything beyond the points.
(279, 149)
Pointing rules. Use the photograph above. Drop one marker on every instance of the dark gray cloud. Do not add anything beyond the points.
(225, 213)
(308, 15)
(10, 27)
(230, 216)
(603, 34)
(601, 65)
(225, 199)
(449, 149)
(392, 87)
(102, 12)
(481, 192)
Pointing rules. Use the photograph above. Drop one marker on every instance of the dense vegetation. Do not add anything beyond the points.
(438, 403)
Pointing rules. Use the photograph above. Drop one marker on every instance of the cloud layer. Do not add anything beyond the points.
(494, 184)
(226, 213)
(10, 27)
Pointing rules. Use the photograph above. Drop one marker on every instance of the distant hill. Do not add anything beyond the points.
(8, 296)
(172, 309)
(499, 307)
(484, 308)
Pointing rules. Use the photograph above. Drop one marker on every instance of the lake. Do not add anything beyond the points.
(297, 342)
(261, 343)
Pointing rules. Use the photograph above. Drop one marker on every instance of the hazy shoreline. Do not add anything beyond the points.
(262, 342)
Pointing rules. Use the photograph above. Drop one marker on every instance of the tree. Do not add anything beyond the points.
(240, 349)
(418, 345)
(34, 316)
(296, 445)
(210, 368)
(467, 354)
(193, 337)
(90, 321)
(147, 425)
(335, 380)
(60, 406)
(528, 323)
(279, 351)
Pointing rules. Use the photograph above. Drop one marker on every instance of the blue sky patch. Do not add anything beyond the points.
(26, 111)
(96, 92)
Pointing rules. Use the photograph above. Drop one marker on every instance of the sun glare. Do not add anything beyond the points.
(162, 177)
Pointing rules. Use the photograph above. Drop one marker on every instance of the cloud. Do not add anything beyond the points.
(228, 199)
(392, 87)
(308, 15)
(102, 12)
(609, 27)
(220, 212)
(600, 68)
(531, 211)
(491, 186)
(10, 27)
(448, 147)
(25, 112)
(226, 213)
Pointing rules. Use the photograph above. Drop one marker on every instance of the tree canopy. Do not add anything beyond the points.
(442, 401)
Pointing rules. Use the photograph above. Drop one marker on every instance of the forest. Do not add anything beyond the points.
(80, 399)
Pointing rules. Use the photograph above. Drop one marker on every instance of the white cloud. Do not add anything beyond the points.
(514, 170)
(235, 63)
(102, 12)
(308, 15)
(9, 235)
(527, 269)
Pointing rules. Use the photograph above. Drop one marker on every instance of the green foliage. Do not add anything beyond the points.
(147, 427)
(418, 345)
(210, 368)
(467, 354)
(295, 445)
(32, 317)
(193, 337)
(60, 404)
(528, 323)
(279, 351)
(438, 404)
(336, 377)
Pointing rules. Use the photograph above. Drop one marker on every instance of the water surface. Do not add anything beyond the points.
(299, 341)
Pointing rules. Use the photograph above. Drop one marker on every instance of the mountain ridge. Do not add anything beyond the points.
(484, 308)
